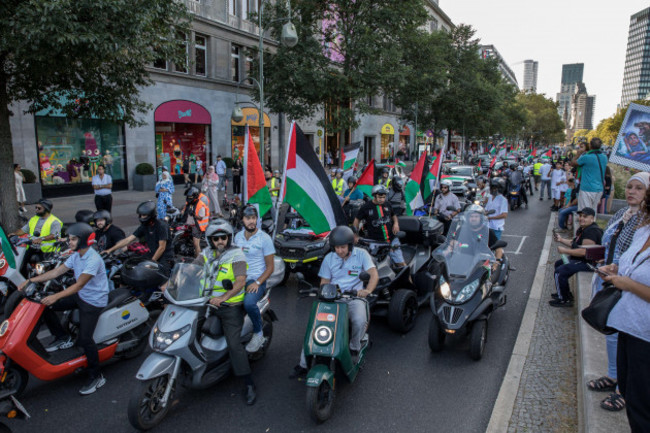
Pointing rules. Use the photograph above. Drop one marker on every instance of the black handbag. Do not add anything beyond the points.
(597, 312)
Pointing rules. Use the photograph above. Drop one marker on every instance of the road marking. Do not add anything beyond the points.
(505, 403)
(521, 243)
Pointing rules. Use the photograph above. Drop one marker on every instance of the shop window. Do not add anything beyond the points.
(176, 142)
(69, 150)
(182, 67)
(249, 67)
(200, 54)
(234, 62)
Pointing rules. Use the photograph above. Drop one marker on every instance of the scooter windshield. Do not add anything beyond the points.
(186, 282)
(466, 246)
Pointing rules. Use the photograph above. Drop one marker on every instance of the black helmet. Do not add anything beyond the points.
(192, 194)
(47, 204)
(84, 216)
(142, 273)
(84, 233)
(146, 211)
(342, 235)
(102, 215)
(397, 183)
(480, 179)
(250, 210)
(498, 184)
(513, 167)
(352, 179)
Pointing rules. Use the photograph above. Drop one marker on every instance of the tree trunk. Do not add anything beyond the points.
(8, 203)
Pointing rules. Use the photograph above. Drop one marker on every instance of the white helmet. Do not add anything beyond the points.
(520, 168)
(447, 183)
(379, 189)
(475, 209)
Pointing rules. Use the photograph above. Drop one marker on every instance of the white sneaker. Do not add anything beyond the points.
(92, 385)
(256, 343)
(60, 344)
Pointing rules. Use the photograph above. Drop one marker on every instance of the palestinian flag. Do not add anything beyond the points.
(306, 186)
(548, 154)
(368, 179)
(256, 192)
(412, 193)
(433, 173)
(350, 154)
(493, 150)
(400, 163)
(479, 164)
(7, 252)
(532, 155)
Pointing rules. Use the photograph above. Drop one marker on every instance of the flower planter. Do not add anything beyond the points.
(33, 192)
(146, 182)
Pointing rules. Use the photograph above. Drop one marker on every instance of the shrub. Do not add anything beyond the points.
(229, 162)
(144, 168)
(30, 177)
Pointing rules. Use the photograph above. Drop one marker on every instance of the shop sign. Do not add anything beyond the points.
(180, 111)
(387, 129)
(251, 118)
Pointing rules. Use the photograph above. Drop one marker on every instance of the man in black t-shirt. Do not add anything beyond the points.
(381, 222)
(588, 234)
(107, 234)
(155, 234)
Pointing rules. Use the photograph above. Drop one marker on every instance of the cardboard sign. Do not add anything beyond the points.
(632, 146)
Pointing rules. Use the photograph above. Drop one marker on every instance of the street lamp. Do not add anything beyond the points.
(289, 38)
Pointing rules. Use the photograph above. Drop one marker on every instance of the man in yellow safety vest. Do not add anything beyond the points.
(338, 183)
(536, 174)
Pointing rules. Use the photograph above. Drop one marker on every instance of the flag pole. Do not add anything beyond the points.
(283, 185)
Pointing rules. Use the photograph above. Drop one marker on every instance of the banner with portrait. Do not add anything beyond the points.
(632, 146)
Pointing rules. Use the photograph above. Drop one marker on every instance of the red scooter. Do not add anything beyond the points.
(122, 330)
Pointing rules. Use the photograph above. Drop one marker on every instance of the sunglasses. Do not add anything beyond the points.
(38, 207)
(219, 237)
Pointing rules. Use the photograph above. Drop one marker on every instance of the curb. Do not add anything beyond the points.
(505, 402)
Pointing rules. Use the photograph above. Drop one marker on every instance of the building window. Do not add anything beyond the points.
(234, 62)
(182, 67)
(232, 7)
(433, 25)
(160, 64)
(249, 67)
(200, 54)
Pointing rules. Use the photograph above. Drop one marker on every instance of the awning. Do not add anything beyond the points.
(251, 118)
(406, 131)
(388, 129)
(181, 111)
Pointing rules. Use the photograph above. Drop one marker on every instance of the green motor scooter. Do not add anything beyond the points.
(326, 346)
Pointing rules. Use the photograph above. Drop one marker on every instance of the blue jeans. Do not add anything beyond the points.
(547, 184)
(250, 305)
(563, 214)
(563, 273)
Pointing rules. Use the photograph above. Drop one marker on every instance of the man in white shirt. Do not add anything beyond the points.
(545, 173)
(444, 200)
(499, 204)
(220, 168)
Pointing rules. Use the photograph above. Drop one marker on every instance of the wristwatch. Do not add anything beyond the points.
(258, 282)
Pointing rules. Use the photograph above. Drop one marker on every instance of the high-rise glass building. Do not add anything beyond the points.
(636, 76)
(571, 76)
(530, 75)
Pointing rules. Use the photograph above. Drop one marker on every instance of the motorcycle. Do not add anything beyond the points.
(188, 345)
(402, 291)
(467, 292)
(326, 347)
(11, 408)
(121, 332)
(528, 184)
(515, 197)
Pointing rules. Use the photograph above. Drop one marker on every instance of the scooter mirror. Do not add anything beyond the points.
(227, 284)
(490, 212)
(329, 291)
(364, 276)
(451, 208)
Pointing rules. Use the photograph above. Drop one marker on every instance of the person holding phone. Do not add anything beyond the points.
(588, 234)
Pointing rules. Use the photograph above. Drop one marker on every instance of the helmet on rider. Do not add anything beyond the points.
(475, 212)
(84, 234)
(102, 215)
(397, 183)
(217, 229)
(352, 180)
(192, 194)
(379, 190)
(498, 185)
(520, 168)
(84, 216)
(146, 212)
(250, 211)
(447, 183)
(480, 180)
(342, 235)
(513, 166)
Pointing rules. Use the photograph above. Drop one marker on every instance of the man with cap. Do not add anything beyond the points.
(444, 200)
(43, 228)
(89, 294)
(588, 234)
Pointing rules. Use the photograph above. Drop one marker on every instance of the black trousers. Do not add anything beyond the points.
(633, 371)
(104, 202)
(446, 223)
(88, 317)
(236, 184)
(232, 320)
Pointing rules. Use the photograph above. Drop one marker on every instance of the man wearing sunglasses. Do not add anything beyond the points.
(221, 261)
(44, 228)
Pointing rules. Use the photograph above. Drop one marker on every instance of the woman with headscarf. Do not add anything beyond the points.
(210, 188)
(165, 190)
(620, 231)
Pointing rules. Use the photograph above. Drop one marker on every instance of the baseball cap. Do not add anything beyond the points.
(587, 211)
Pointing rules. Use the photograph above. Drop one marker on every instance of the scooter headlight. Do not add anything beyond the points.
(162, 340)
(39, 268)
(323, 335)
(467, 291)
(3, 328)
(314, 246)
(445, 290)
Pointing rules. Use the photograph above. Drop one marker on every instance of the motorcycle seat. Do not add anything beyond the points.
(116, 297)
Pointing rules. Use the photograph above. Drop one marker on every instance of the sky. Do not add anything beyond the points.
(556, 32)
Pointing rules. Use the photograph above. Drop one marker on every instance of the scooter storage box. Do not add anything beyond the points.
(431, 228)
(412, 228)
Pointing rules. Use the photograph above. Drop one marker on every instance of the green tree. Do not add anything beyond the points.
(348, 51)
(56, 52)
(544, 124)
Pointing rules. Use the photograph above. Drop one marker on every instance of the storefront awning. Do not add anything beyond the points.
(406, 131)
(251, 118)
(181, 111)
(387, 129)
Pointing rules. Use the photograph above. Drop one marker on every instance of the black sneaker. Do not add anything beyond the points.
(298, 372)
(60, 344)
(92, 385)
(561, 303)
(555, 296)
(251, 395)
(541, 198)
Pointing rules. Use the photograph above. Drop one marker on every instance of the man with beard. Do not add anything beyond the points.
(107, 234)
(259, 251)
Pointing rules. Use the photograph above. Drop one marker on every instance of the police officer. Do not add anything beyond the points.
(89, 294)
(338, 183)
(43, 228)
(222, 260)
(198, 205)
(536, 174)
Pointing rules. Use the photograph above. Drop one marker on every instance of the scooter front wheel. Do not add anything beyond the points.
(320, 402)
(477, 339)
(145, 408)
(15, 379)
(436, 335)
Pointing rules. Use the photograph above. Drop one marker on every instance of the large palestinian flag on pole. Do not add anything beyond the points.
(433, 176)
(368, 179)
(350, 154)
(256, 192)
(413, 195)
(306, 186)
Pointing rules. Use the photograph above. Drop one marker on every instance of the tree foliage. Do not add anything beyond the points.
(83, 58)
(543, 123)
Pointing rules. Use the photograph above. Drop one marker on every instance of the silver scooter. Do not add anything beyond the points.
(188, 344)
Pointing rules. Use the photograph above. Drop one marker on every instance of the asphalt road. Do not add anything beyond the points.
(402, 388)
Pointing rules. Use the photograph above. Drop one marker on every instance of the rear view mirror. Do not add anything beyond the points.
(491, 212)
(451, 208)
